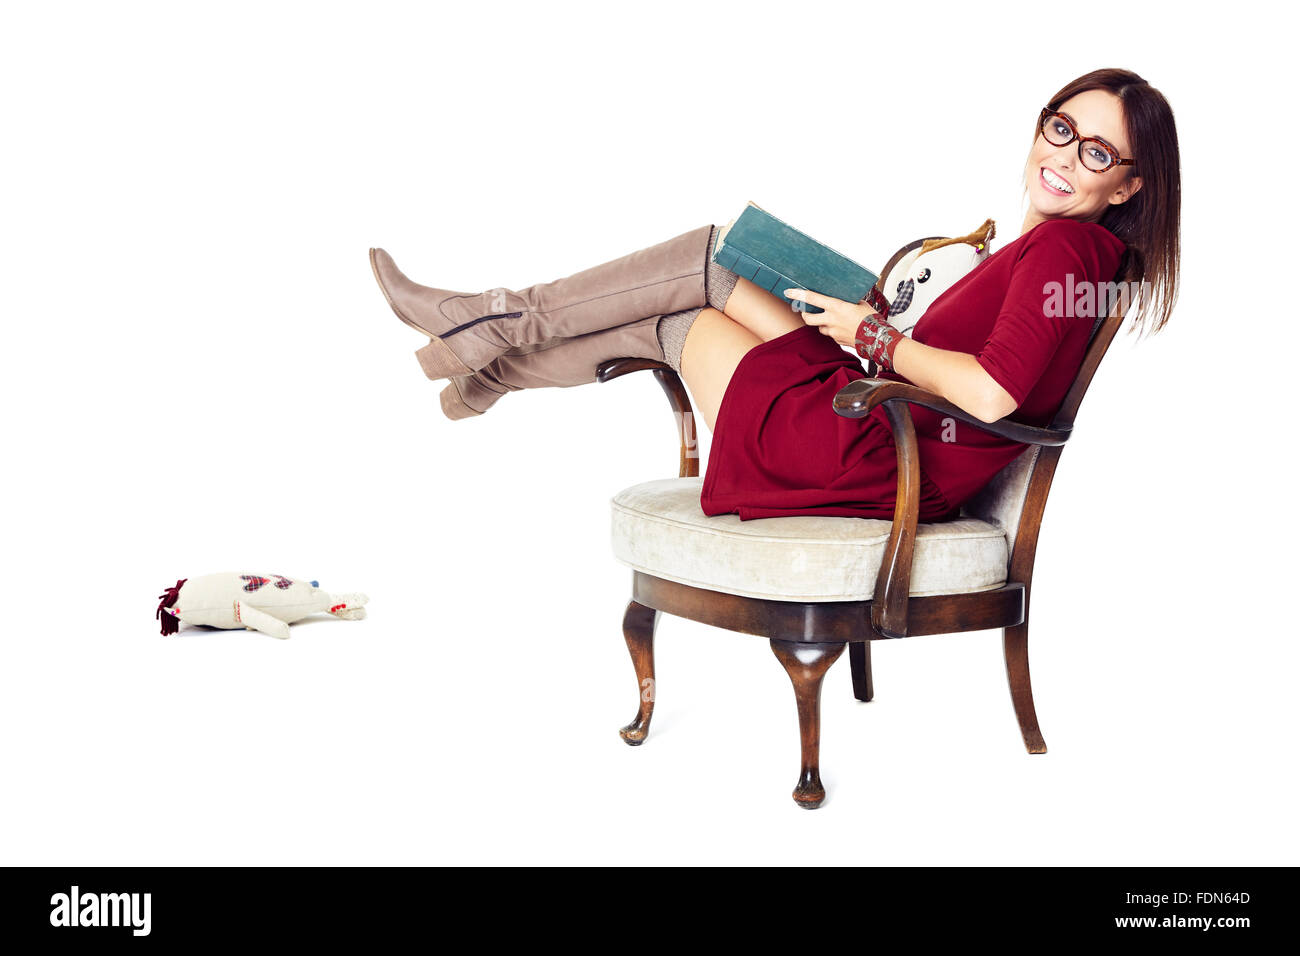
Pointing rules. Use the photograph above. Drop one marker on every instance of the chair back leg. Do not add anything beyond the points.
(860, 668)
(1015, 650)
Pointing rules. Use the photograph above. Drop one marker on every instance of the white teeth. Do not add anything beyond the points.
(1057, 182)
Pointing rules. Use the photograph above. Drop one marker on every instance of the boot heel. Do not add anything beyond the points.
(469, 396)
(439, 361)
(454, 405)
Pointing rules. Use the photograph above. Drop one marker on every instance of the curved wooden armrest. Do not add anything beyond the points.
(859, 397)
(894, 580)
(670, 381)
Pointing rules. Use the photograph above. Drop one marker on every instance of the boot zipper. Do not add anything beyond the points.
(482, 318)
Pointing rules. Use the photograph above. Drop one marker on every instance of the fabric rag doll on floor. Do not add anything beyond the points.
(267, 603)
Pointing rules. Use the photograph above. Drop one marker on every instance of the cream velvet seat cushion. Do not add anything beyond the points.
(659, 528)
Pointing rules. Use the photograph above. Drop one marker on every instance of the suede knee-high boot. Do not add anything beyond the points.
(467, 331)
(569, 362)
(564, 364)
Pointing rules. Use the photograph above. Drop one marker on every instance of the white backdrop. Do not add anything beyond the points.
(203, 376)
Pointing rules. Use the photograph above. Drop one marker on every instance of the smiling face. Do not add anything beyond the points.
(1061, 187)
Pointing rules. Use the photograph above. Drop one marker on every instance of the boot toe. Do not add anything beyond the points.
(401, 293)
(385, 270)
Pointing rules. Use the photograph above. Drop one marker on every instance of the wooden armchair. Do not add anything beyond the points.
(814, 584)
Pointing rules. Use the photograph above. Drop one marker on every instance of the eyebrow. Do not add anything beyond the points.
(1102, 138)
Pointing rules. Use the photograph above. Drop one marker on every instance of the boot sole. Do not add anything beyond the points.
(437, 360)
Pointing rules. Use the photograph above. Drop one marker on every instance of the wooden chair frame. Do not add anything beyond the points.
(808, 637)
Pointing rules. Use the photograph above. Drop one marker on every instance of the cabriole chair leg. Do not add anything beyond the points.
(860, 668)
(1015, 650)
(639, 624)
(807, 665)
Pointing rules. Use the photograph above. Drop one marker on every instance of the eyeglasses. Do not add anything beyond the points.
(1095, 154)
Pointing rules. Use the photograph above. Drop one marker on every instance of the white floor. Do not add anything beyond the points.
(473, 716)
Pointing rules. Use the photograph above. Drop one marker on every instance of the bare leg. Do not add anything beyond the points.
(714, 347)
(760, 311)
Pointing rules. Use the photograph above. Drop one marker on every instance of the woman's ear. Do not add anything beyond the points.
(1126, 190)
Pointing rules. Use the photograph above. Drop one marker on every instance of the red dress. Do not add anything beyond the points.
(779, 449)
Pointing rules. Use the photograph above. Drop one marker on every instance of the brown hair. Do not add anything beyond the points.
(1148, 222)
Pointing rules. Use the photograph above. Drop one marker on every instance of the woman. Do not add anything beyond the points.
(1102, 179)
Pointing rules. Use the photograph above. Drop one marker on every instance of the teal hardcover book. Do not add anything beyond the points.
(775, 256)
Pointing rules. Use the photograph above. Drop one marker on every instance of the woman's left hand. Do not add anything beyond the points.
(840, 320)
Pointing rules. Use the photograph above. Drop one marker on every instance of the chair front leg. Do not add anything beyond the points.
(639, 624)
(807, 665)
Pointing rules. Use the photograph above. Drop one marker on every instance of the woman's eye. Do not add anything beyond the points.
(1101, 155)
(925, 274)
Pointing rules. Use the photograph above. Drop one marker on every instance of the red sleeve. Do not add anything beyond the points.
(1026, 333)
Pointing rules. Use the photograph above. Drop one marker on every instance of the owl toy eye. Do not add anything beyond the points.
(925, 274)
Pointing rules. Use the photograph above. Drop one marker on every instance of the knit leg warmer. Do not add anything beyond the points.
(672, 329)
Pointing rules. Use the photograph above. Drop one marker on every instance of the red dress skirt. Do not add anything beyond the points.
(779, 449)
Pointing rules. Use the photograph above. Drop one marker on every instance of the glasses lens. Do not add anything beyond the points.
(1056, 130)
(1097, 157)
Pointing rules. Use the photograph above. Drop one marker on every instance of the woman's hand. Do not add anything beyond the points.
(840, 320)
(853, 325)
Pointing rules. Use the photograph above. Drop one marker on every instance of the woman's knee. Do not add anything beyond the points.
(714, 347)
(766, 315)
(716, 337)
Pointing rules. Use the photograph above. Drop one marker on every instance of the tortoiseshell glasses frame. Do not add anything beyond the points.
(1074, 134)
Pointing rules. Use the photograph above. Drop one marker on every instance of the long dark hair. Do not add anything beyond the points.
(1148, 222)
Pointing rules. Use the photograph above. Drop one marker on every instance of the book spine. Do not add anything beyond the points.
(763, 277)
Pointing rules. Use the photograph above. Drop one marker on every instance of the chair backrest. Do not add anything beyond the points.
(1002, 500)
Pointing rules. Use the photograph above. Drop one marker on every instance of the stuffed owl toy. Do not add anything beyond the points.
(926, 273)
(266, 603)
